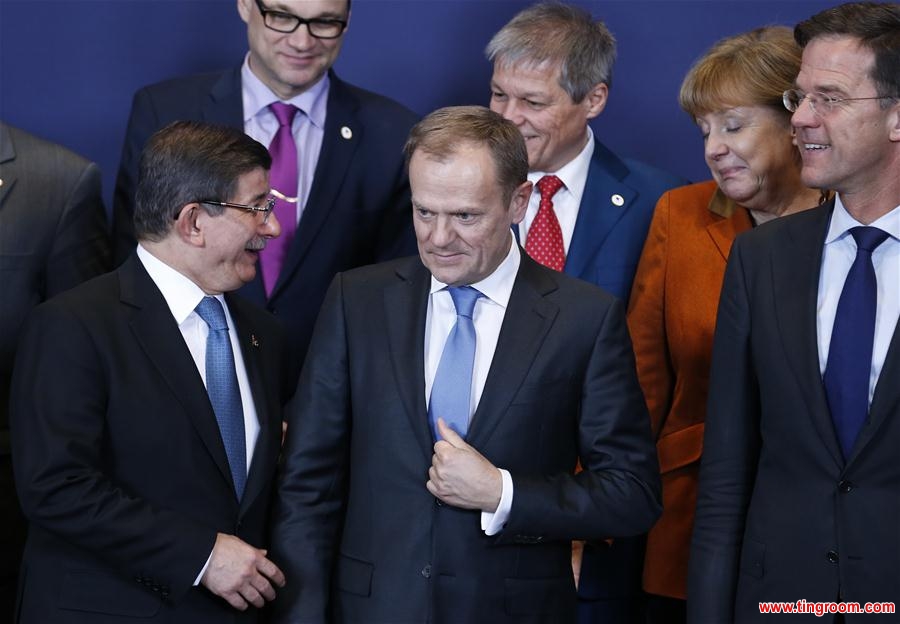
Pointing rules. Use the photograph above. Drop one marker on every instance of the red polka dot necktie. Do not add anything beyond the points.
(544, 242)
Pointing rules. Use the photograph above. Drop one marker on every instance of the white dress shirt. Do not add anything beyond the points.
(308, 126)
(838, 256)
(182, 296)
(567, 200)
(487, 317)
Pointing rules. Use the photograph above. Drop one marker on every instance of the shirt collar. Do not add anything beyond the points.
(574, 173)
(257, 96)
(842, 221)
(181, 294)
(498, 285)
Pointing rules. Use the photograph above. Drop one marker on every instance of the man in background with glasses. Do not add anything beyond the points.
(799, 493)
(146, 406)
(343, 194)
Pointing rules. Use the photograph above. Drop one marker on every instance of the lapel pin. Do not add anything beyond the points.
(618, 200)
(1, 182)
(254, 340)
(346, 132)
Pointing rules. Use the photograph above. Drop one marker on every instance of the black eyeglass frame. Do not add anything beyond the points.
(267, 210)
(311, 24)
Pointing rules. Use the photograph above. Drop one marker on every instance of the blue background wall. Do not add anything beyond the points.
(68, 68)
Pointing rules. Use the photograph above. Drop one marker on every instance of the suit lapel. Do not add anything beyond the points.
(224, 105)
(338, 147)
(7, 154)
(405, 307)
(158, 335)
(723, 231)
(796, 265)
(529, 316)
(599, 212)
(253, 350)
(886, 401)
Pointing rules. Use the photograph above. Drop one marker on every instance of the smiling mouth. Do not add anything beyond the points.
(812, 147)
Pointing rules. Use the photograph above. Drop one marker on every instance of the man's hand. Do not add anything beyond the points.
(461, 476)
(240, 573)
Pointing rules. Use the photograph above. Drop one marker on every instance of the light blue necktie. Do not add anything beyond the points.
(223, 390)
(852, 338)
(452, 388)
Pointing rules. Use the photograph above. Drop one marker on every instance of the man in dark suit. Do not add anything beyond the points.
(800, 484)
(351, 201)
(552, 74)
(377, 522)
(147, 494)
(52, 237)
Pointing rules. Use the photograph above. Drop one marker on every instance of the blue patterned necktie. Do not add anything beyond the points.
(452, 388)
(849, 363)
(223, 390)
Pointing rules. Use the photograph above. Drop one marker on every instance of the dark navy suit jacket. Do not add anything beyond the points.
(358, 210)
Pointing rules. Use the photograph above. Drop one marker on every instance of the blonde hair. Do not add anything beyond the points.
(752, 68)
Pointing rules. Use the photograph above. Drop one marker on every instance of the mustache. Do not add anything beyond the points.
(257, 244)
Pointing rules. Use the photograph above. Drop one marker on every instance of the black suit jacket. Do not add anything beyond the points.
(52, 237)
(358, 210)
(781, 516)
(355, 525)
(119, 462)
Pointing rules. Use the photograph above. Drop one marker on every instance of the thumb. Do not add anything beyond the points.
(449, 435)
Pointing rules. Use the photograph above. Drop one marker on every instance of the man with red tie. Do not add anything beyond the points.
(590, 210)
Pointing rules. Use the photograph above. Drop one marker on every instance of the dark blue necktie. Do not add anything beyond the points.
(452, 388)
(223, 390)
(849, 363)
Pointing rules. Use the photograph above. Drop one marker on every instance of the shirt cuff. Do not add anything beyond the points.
(203, 571)
(492, 523)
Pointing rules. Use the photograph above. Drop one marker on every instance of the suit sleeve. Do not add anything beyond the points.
(313, 482)
(617, 494)
(81, 248)
(647, 321)
(62, 461)
(730, 455)
(396, 238)
(142, 123)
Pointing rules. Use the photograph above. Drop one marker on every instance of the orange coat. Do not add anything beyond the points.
(672, 316)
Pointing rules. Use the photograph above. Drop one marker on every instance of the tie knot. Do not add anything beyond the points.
(868, 238)
(210, 310)
(284, 112)
(464, 298)
(548, 185)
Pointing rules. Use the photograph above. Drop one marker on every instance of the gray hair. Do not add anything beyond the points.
(558, 33)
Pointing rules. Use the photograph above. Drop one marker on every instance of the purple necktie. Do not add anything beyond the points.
(283, 180)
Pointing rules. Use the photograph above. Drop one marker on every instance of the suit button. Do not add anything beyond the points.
(832, 556)
(438, 502)
(426, 571)
(845, 486)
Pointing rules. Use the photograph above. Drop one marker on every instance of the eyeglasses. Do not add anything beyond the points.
(266, 210)
(820, 103)
(319, 27)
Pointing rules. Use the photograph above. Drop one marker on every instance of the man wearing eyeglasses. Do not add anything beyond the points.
(799, 495)
(146, 406)
(343, 194)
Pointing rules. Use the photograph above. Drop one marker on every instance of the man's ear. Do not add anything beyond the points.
(518, 203)
(894, 122)
(189, 224)
(595, 100)
(244, 8)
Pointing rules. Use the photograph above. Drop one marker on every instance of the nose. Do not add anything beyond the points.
(804, 115)
(271, 228)
(715, 147)
(508, 110)
(301, 38)
(442, 233)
